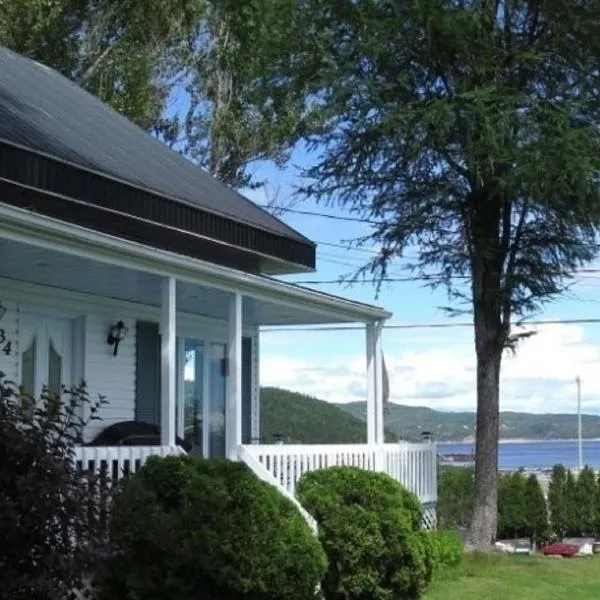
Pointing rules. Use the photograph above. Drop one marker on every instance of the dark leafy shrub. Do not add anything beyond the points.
(571, 510)
(456, 486)
(447, 548)
(369, 526)
(50, 527)
(184, 528)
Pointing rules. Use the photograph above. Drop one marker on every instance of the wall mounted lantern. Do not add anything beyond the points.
(116, 335)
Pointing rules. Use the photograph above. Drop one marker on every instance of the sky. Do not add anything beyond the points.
(432, 367)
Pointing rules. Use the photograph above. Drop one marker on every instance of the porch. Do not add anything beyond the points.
(65, 289)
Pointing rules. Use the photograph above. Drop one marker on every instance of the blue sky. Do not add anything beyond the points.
(428, 367)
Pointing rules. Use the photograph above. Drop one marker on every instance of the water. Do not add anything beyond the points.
(536, 455)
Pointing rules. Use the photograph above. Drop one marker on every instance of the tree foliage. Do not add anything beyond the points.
(184, 71)
(585, 501)
(536, 510)
(467, 130)
(50, 523)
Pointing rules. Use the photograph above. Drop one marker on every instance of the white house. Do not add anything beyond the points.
(123, 264)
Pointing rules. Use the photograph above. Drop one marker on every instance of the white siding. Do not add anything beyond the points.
(111, 376)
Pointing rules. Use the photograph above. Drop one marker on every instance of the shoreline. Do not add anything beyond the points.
(521, 441)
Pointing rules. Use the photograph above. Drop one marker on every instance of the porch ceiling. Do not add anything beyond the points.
(32, 264)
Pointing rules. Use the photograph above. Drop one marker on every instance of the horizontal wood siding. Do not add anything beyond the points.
(111, 376)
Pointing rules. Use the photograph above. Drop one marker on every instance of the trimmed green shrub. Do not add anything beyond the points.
(185, 527)
(557, 503)
(456, 486)
(448, 549)
(370, 529)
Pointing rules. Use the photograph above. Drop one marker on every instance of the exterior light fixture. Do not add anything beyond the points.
(116, 335)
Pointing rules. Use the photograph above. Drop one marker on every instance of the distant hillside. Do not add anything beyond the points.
(304, 419)
(407, 422)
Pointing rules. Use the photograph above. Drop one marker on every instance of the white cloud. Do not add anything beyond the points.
(539, 378)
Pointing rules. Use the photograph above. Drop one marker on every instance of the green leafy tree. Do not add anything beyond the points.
(467, 132)
(597, 509)
(557, 502)
(455, 497)
(585, 505)
(536, 511)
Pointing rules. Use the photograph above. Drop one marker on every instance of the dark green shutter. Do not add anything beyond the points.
(147, 373)
(246, 390)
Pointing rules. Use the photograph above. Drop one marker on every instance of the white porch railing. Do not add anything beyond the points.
(413, 465)
(117, 461)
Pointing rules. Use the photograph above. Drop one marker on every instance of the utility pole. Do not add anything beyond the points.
(579, 433)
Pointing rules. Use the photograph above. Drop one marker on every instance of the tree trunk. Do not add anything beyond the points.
(485, 507)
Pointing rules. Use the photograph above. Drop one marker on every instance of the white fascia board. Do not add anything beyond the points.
(28, 227)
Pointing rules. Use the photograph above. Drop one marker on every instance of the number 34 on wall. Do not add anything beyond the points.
(5, 343)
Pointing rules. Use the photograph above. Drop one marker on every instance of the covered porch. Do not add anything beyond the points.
(93, 281)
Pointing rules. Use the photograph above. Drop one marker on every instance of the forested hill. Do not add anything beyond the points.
(407, 422)
(304, 419)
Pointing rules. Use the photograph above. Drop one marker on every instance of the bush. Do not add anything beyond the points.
(447, 549)
(185, 528)
(370, 528)
(49, 526)
(456, 486)
(571, 513)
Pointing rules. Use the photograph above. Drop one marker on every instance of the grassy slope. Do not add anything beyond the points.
(407, 422)
(520, 578)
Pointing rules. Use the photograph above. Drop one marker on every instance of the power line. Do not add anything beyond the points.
(312, 213)
(463, 324)
(417, 278)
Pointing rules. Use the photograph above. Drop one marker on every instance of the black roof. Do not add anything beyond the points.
(59, 139)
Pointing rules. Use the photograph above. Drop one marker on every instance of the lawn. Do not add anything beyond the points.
(519, 578)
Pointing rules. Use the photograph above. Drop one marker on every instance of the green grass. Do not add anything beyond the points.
(519, 578)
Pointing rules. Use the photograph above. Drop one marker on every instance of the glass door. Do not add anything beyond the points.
(217, 400)
(193, 394)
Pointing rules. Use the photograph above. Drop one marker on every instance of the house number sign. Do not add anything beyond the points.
(5, 343)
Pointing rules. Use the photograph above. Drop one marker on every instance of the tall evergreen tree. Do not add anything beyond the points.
(585, 501)
(468, 132)
(572, 523)
(536, 512)
(557, 502)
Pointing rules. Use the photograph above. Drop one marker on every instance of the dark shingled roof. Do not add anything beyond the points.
(42, 111)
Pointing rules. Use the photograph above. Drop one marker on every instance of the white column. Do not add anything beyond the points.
(371, 384)
(379, 429)
(233, 421)
(168, 362)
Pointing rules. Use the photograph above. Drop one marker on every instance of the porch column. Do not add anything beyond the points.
(379, 429)
(371, 384)
(168, 358)
(233, 420)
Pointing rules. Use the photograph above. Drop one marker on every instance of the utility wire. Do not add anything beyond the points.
(463, 324)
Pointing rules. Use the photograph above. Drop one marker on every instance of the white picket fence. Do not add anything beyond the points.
(117, 461)
(413, 465)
